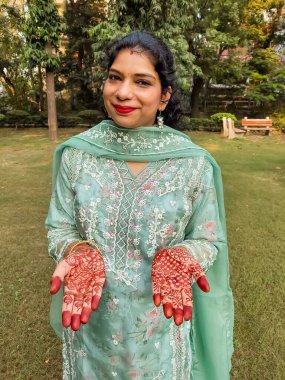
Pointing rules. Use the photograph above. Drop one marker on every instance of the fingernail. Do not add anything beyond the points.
(75, 322)
(168, 311)
(66, 318)
(156, 299)
(178, 321)
(55, 285)
(95, 302)
(85, 315)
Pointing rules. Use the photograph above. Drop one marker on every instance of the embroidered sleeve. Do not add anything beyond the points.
(204, 228)
(60, 221)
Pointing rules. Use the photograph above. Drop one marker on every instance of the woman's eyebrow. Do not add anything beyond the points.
(136, 74)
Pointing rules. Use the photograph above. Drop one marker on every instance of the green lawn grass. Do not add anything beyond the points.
(254, 182)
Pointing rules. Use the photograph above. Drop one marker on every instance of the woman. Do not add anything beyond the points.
(135, 206)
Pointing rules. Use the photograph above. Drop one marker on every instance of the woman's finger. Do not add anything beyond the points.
(167, 301)
(76, 312)
(55, 285)
(176, 298)
(68, 300)
(168, 310)
(187, 300)
(203, 284)
(178, 316)
(86, 310)
(196, 270)
(156, 291)
(96, 293)
(58, 276)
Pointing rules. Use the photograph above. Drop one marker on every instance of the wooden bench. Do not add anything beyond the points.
(257, 125)
(229, 129)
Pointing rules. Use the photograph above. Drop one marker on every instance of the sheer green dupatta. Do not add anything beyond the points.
(212, 323)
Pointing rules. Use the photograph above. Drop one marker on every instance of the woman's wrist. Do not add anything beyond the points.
(185, 248)
(72, 246)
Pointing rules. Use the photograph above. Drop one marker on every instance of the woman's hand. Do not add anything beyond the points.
(172, 271)
(83, 272)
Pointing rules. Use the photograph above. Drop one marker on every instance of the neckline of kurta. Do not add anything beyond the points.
(142, 144)
(136, 175)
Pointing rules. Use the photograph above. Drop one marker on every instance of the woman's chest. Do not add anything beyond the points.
(161, 193)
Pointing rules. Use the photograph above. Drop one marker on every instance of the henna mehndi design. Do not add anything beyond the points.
(84, 273)
(172, 271)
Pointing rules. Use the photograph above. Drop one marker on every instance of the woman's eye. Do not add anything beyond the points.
(143, 83)
(114, 77)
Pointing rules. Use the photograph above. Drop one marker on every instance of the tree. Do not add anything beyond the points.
(198, 33)
(215, 32)
(43, 28)
(266, 80)
(264, 22)
(13, 74)
(78, 60)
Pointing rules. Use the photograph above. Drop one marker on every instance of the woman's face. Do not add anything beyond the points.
(132, 93)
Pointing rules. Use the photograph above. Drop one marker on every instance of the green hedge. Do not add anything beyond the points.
(20, 118)
(17, 113)
(2, 118)
(93, 116)
(192, 124)
(217, 118)
(69, 121)
(278, 121)
(17, 116)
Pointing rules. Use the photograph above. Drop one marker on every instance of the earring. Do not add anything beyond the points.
(160, 121)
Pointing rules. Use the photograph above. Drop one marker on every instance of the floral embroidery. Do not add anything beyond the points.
(68, 352)
(181, 362)
(80, 353)
(159, 376)
(113, 305)
(117, 338)
(104, 135)
(158, 230)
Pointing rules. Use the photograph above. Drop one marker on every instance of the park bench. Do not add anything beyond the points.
(257, 125)
(229, 129)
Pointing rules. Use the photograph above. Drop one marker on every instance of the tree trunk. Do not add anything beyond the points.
(8, 82)
(195, 96)
(51, 104)
(41, 91)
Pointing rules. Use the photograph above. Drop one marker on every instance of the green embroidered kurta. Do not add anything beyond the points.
(172, 201)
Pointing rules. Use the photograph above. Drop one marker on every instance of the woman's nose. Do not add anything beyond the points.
(124, 91)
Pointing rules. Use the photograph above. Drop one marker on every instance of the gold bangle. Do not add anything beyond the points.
(89, 242)
(93, 244)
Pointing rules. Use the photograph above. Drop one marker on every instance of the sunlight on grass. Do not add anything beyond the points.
(254, 182)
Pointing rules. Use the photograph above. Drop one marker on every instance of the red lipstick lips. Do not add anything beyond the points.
(122, 109)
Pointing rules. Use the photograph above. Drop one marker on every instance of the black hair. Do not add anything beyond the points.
(162, 59)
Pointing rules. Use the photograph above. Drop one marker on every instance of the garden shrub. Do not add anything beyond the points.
(278, 121)
(17, 116)
(69, 121)
(2, 118)
(218, 117)
(192, 124)
(17, 113)
(238, 124)
(39, 120)
(91, 115)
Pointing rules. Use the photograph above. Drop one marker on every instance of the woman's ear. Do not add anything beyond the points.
(165, 97)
